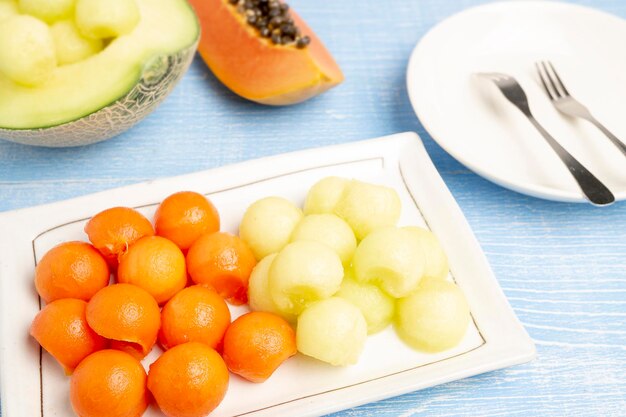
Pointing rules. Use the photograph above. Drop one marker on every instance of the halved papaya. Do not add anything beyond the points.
(254, 65)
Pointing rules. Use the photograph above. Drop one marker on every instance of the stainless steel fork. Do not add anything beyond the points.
(593, 189)
(568, 105)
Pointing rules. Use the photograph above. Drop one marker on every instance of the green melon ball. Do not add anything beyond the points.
(302, 273)
(368, 207)
(259, 296)
(8, 8)
(103, 19)
(391, 258)
(47, 10)
(329, 230)
(377, 307)
(27, 53)
(267, 225)
(324, 195)
(433, 318)
(70, 45)
(436, 265)
(333, 331)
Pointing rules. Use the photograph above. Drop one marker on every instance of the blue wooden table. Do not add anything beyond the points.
(562, 266)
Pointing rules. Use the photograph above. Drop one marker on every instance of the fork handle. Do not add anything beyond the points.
(607, 132)
(596, 192)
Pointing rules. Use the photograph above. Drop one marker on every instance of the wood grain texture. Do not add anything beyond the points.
(562, 266)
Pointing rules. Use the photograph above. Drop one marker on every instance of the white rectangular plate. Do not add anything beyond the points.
(32, 384)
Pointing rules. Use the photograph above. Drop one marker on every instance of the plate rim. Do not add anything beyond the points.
(494, 354)
(436, 131)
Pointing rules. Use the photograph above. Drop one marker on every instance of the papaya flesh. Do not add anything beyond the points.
(255, 68)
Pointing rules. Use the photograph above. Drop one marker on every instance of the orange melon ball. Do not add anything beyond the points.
(113, 230)
(71, 270)
(109, 383)
(155, 264)
(127, 315)
(196, 314)
(223, 261)
(61, 329)
(257, 343)
(184, 217)
(189, 380)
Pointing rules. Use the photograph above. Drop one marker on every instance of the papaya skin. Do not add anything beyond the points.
(254, 68)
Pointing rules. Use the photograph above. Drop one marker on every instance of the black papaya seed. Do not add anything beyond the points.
(271, 19)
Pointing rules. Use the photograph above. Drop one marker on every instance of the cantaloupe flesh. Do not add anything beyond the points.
(256, 69)
(76, 90)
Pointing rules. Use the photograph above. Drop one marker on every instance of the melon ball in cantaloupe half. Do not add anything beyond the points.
(74, 72)
(8, 8)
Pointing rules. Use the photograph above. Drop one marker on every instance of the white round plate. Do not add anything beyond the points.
(475, 124)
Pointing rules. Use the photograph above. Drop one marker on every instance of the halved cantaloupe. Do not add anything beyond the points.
(108, 92)
(255, 68)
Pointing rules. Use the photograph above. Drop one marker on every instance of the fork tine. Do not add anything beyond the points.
(558, 79)
(542, 77)
(557, 93)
